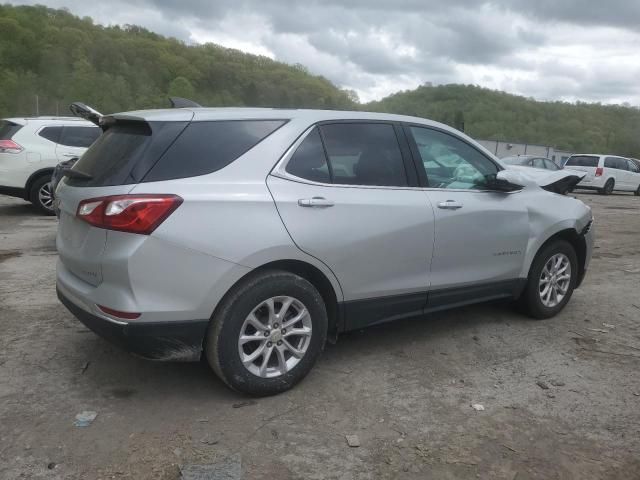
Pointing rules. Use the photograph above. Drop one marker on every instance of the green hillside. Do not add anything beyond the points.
(495, 115)
(62, 58)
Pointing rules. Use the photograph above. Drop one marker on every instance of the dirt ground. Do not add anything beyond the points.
(405, 389)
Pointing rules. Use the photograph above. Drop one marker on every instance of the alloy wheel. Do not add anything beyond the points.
(275, 336)
(555, 280)
(45, 196)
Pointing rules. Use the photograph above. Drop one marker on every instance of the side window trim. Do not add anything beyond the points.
(410, 169)
(324, 149)
(417, 161)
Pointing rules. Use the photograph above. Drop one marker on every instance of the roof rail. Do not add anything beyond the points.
(179, 102)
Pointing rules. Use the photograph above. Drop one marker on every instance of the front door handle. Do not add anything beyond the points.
(317, 202)
(450, 205)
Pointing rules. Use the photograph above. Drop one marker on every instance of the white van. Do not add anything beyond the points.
(606, 173)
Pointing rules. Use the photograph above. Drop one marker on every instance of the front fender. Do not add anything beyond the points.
(549, 218)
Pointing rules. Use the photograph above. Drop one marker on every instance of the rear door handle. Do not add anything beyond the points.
(317, 202)
(450, 205)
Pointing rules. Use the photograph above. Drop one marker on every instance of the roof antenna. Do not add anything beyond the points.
(179, 102)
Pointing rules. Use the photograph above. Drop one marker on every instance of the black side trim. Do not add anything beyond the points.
(456, 297)
(371, 311)
(13, 192)
(177, 341)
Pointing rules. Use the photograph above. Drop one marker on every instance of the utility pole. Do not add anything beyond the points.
(37, 107)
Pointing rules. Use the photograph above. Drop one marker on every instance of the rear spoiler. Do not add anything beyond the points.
(81, 110)
(84, 111)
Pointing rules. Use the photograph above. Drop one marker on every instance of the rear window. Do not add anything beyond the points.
(205, 147)
(8, 129)
(582, 161)
(125, 152)
(135, 152)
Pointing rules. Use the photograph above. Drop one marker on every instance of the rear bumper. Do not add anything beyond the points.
(13, 192)
(169, 341)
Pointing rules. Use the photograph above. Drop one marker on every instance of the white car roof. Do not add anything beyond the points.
(50, 120)
(597, 155)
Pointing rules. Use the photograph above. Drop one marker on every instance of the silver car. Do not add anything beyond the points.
(251, 236)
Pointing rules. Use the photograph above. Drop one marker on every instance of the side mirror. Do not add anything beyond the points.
(505, 181)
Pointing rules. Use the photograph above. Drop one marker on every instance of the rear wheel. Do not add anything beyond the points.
(41, 195)
(552, 279)
(608, 187)
(637, 192)
(267, 333)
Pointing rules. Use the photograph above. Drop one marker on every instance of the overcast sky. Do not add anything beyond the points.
(585, 50)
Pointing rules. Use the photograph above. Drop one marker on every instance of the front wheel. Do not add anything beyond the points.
(41, 195)
(637, 192)
(267, 333)
(552, 279)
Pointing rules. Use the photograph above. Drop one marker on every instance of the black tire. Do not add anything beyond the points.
(37, 199)
(530, 300)
(608, 187)
(221, 346)
(637, 192)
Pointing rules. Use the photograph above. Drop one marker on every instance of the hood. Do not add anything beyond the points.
(556, 181)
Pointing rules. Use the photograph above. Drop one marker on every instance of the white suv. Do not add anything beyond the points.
(606, 173)
(30, 148)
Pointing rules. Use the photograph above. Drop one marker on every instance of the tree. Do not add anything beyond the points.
(181, 87)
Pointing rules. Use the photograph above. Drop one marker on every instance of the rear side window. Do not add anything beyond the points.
(205, 147)
(51, 133)
(583, 161)
(538, 163)
(79, 136)
(364, 154)
(8, 129)
(309, 161)
(616, 162)
(358, 154)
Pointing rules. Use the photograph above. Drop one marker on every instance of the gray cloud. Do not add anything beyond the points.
(614, 13)
(565, 49)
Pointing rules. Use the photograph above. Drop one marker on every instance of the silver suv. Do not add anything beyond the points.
(251, 236)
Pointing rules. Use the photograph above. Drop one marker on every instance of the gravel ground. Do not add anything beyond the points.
(405, 389)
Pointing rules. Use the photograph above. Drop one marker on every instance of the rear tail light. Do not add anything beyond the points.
(599, 171)
(140, 214)
(9, 146)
